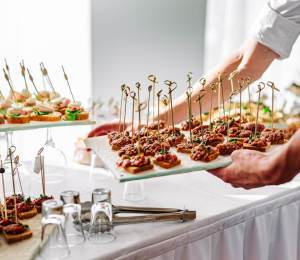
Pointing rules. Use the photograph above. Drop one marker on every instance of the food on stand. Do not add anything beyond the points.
(16, 232)
(45, 113)
(26, 209)
(166, 160)
(135, 164)
(75, 112)
(204, 153)
(17, 115)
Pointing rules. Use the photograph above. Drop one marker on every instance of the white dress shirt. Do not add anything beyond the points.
(279, 27)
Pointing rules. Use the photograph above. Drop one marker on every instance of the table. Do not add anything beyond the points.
(231, 223)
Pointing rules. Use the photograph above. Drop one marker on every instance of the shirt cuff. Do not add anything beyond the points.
(276, 32)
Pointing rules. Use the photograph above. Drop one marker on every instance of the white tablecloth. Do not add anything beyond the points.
(231, 223)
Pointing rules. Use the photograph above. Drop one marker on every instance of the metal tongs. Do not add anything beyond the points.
(144, 214)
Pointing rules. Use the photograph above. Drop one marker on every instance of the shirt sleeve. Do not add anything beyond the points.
(279, 26)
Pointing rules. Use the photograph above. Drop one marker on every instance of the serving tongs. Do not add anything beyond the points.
(144, 214)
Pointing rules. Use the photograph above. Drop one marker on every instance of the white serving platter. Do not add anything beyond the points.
(102, 148)
(37, 125)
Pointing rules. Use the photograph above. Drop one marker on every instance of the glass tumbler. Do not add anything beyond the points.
(101, 224)
(54, 242)
(72, 213)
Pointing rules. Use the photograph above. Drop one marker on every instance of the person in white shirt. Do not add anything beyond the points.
(271, 38)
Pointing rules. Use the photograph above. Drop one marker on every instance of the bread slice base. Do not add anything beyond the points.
(18, 119)
(134, 169)
(16, 238)
(28, 214)
(167, 165)
(52, 117)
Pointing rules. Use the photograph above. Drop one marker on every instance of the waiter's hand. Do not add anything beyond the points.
(252, 169)
(104, 129)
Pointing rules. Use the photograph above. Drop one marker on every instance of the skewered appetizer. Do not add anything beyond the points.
(4, 105)
(60, 104)
(258, 144)
(154, 125)
(185, 126)
(273, 136)
(39, 201)
(30, 102)
(5, 222)
(204, 153)
(200, 130)
(166, 160)
(118, 143)
(237, 133)
(211, 139)
(17, 115)
(150, 149)
(10, 201)
(16, 232)
(75, 112)
(184, 147)
(116, 135)
(148, 139)
(251, 127)
(230, 146)
(128, 150)
(26, 209)
(45, 113)
(135, 164)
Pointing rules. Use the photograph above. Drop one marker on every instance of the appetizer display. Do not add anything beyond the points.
(16, 232)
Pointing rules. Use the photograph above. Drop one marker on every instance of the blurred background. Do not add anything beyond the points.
(104, 43)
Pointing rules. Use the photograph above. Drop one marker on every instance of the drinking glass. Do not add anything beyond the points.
(54, 242)
(72, 212)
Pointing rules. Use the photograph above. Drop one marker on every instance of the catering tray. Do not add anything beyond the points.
(102, 148)
(37, 125)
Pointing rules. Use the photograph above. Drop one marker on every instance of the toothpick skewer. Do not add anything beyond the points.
(132, 95)
(2, 96)
(16, 170)
(121, 105)
(240, 81)
(127, 93)
(152, 79)
(272, 86)
(2, 170)
(23, 72)
(231, 78)
(260, 87)
(232, 94)
(8, 71)
(11, 150)
(158, 113)
(212, 90)
(66, 78)
(170, 83)
(46, 75)
(148, 107)
(247, 82)
(10, 85)
(138, 86)
(166, 105)
(32, 81)
(42, 169)
(220, 81)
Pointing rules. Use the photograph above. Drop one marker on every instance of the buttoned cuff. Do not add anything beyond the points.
(276, 32)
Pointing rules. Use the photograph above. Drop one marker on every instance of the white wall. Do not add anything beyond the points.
(134, 38)
(56, 32)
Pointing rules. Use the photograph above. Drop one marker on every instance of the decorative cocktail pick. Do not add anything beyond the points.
(39, 168)
(8, 71)
(67, 80)
(11, 150)
(231, 77)
(46, 75)
(133, 96)
(32, 81)
(221, 90)
(202, 81)
(170, 85)
(232, 94)
(241, 85)
(16, 171)
(127, 93)
(121, 105)
(153, 80)
(165, 102)
(148, 106)
(212, 90)
(247, 82)
(23, 72)
(158, 113)
(272, 86)
(260, 87)
(10, 85)
(2, 171)
(190, 117)
(138, 86)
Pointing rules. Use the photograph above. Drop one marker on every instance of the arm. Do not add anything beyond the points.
(270, 169)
